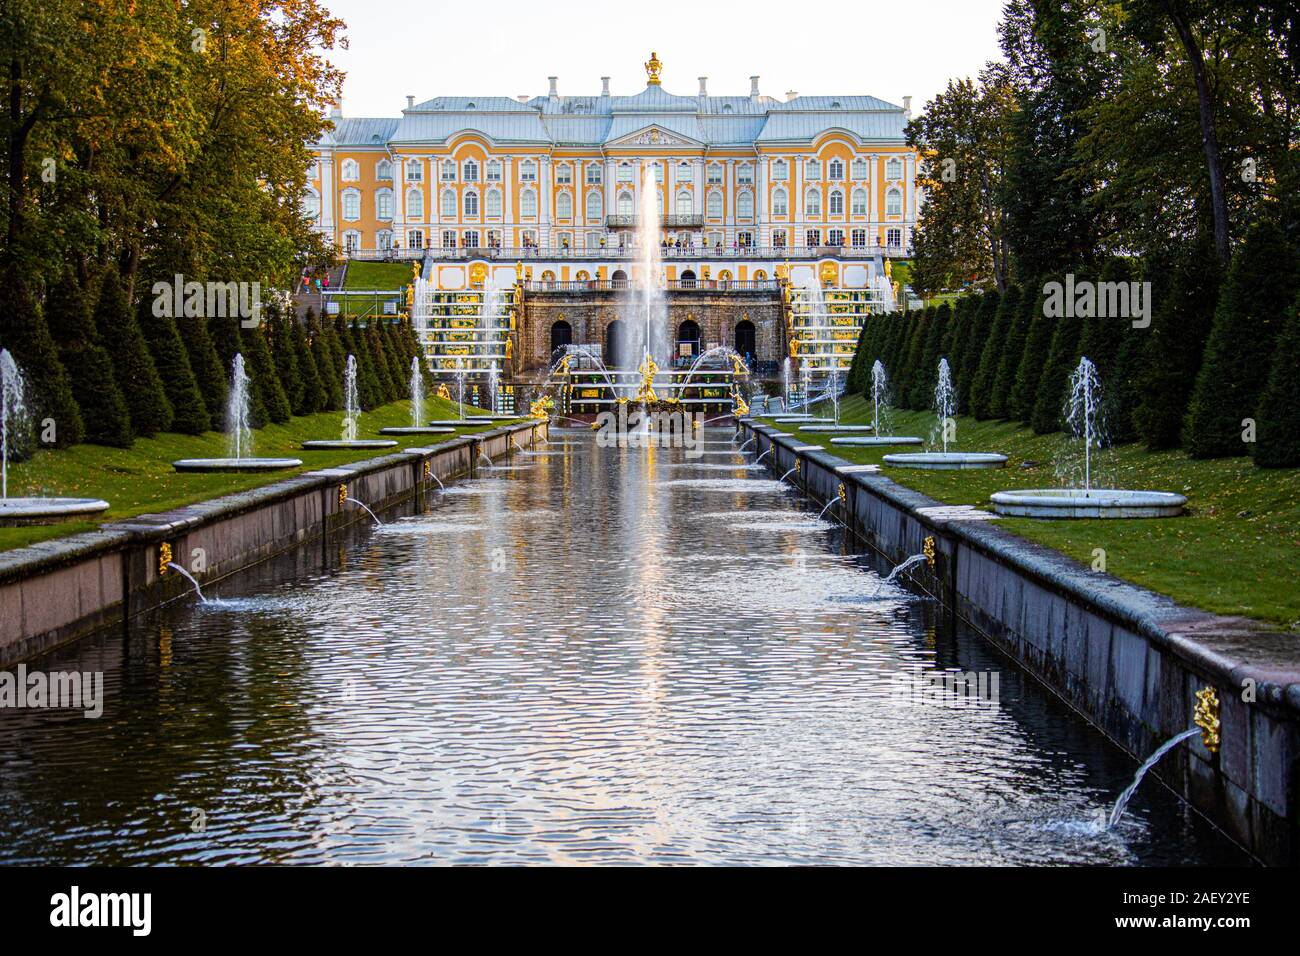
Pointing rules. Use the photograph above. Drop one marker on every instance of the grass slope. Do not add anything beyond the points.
(1236, 551)
(385, 276)
(140, 479)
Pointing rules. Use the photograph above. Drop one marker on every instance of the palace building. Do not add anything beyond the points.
(817, 189)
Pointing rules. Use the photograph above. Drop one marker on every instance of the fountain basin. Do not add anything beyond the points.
(458, 422)
(869, 441)
(836, 428)
(801, 419)
(949, 460)
(416, 430)
(1082, 503)
(236, 464)
(359, 444)
(47, 510)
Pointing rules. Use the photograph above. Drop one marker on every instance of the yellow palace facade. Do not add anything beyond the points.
(737, 176)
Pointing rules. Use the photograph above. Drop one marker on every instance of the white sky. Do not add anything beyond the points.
(431, 48)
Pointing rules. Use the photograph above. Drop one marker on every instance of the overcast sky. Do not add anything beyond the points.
(430, 48)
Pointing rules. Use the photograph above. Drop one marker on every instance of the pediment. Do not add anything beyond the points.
(654, 136)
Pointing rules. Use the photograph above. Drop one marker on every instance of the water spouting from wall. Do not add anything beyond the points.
(13, 413)
(239, 432)
(351, 407)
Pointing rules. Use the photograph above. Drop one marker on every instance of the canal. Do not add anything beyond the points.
(586, 655)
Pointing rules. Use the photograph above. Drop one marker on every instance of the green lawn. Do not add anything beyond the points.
(140, 479)
(1235, 551)
(362, 276)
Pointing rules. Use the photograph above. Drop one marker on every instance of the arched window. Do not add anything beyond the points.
(561, 335)
(859, 202)
(351, 204)
(780, 203)
(310, 204)
(780, 170)
(564, 206)
(894, 202)
(384, 171)
(528, 171)
(835, 170)
(415, 204)
(448, 204)
(494, 171)
(528, 204)
(471, 171)
(384, 204)
(746, 338)
(837, 202)
(471, 204)
(715, 174)
(492, 203)
(614, 344)
(894, 169)
(812, 203)
(448, 170)
(350, 172)
(859, 168)
(688, 334)
(715, 205)
(384, 240)
(745, 205)
(683, 172)
(593, 205)
(626, 207)
(813, 170)
(684, 204)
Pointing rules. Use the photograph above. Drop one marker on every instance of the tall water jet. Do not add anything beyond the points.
(14, 425)
(785, 383)
(945, 410)
(1085, 420)
(417, 407)
(351, 418)
(239, 433)
(880, 417)
(649, 314)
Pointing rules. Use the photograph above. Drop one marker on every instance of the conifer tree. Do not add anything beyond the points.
(133, 365)
(991, 355)
(322, 351)
(206, 365)
(1277, 442)
(1256, 295)
(189, 411)
(1013, 350)
(1033, 358)
(49, 393)
(313, 397)
(911, 361)
(981, 322)
(1062, 359)
(89, 367)
(922, 387)
(285, 356)
(272, 405)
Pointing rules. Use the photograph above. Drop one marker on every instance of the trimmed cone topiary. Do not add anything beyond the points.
(1256, 296)
(1277, 440)
(1013, 350)
(267, 395)
(313, 398)
(189, 411)
(49, 393)
(322, 351)
(991, 355)
(285, 355)
(981, 322)
(90, 369)
(205, 363)
(1033, 358)
(133, 364)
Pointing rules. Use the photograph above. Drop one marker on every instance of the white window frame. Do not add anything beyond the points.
(447, 204)
(350, 204)
(564, 206)
(492, 171)
(563, 174)
(593, 175)
(893, 201)
(812, 201)
(469, 170)
(528, 171)
(414, 171)
(715, 176)
(470, 203)
(350, 171)
(859, 203)
(780, 202)
(414, 193)
(860, 169)
(528, 204)
(384, 197)
(780, 171)
(595, 205)
(492, 204)
(745, 204)
(384, 171)
(715, 208)
(447, 172)
(894, 169)
(836, 198)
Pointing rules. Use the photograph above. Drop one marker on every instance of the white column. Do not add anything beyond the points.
(796, 201)
(507, 204)
(761, 206)
(729, 227)
(399, 200)
(544, 193)
(327, 198)
(697, 171)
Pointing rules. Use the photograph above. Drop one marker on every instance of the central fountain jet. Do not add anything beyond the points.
(649, 305)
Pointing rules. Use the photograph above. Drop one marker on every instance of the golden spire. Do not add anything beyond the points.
(652, 68)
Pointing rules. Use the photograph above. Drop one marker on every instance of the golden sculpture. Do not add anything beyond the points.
(927, 548)
(842, 494)
(477, 274)
(541, 408)
(646, 391)
(164, 558)
(653, 67)
(509, 349)
(428, 469)
(343, 495)
(889, 272)
(444, 392)
(519, 270)
(1206, 716)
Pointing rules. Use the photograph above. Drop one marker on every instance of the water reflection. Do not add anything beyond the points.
(591, 661)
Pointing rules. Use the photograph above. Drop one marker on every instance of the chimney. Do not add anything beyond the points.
(604, 86)
(704, 86)
(791, 96)
(555, 93)
(753, 87)
(410, 101)
(522, 97)
(336, 109)
(907, 106)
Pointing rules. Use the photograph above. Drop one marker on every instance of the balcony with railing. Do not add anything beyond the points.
(698, 252)
(674, 285)
(676, 221)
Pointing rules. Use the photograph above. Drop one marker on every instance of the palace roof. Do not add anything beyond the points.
(598, 121)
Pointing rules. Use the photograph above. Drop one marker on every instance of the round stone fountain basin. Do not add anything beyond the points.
(1094, 503)
(801, 420)
(871, 441)
(359, 444)
(416, 430)
(47, 510)
(947, 461)
(236, 464)
(836, 428)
